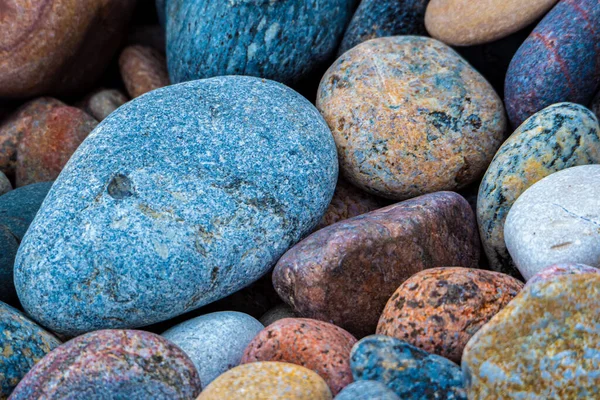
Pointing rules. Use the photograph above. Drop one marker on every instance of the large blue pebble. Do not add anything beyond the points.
(280, 40)
(410, 372)
(17, 209)
(366, 390)
(179, 198)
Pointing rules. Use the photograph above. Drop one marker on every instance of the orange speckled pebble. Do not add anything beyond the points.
(267, 381)
(410, 116)
(143, 69)
(440, 309)
(319, 346)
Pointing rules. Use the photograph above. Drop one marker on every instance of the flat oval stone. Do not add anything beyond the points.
(215, 342)
(439, 309)
(543, 345)
(559, 61)
(403, 131)
(127, 210)
(553, 271)
(267, 381)
(345, 273)
(366, 390)
(316, 345)
(380, 18)
(111, 364)
(279, 40)
(143, 69)
(410, 372)
(558, 137)
(467, 23)
(23, 344)
(556, 221)
(102, 103)
(58, 46)
(276, 313)
(17, 210)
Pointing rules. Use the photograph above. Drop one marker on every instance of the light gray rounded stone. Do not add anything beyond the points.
(215, 342)
(557, 220)
(276, 313)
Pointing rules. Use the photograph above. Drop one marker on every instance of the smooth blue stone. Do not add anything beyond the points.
(410, 372)
(179, 198)
(283, 40)
(366, 390)
(17, 209)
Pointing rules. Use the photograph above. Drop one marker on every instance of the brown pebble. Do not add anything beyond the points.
(143, 69)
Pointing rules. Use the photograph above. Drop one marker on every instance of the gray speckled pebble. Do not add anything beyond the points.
(276, 313)
(215, 342)
(5, 185)
(366, 390)
(557, 220)
(177, 199)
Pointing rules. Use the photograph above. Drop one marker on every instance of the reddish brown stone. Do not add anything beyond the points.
(143, 69)
(48, 141)
(440, 309)
(346, 273)
(348, 201)
(57, 46)
(102, 102)
(316, 345)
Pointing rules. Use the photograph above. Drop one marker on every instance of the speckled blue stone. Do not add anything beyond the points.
(279, 40)
(22, 345)
(366, 390)
(17, 210)
(177, 199)
(380, 18)
(410, 372)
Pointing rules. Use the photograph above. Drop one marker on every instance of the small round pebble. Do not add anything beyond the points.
(412, 373)
(112, 364)
(553, 271)
(143, 69)
(316, 345)
(5, 185)
(267, 381)
(276, 313)
(439, 309)
(366, 390)
(102, 103)
(215, 342)
(403, 131)
(22, 345)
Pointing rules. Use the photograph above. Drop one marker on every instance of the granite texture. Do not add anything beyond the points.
(100, 104)
(380, 18)
(345, 273)
(559, 61)
(558, 137)
(177, 199)
(439, 309)
(316, 345)
(143, 69)
(280, 40)
(409, 116)
(58, 46)
(112, 364)
(553, 271)
(215, 342)
(467, 23)
(366, 390)
(555, 221)
(267, 381)
(17, 209)
(544, 345)
(410, 372)
(22, 345)
(276, 313)
(5, 185)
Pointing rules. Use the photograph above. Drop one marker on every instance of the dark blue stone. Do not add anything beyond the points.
(17, 209)
(410, 372)
(283, 40)
(366, 390)
(380, 18)
(179, 198)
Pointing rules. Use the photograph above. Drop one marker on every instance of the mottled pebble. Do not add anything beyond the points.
(267, 381)
(276, 313)
(215, 342)
(366, 390)
(553, 271)
(143, 69)
(405, 127)
(316, 345)
(102, 103)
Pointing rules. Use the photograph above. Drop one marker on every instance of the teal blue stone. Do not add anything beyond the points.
(366, 390)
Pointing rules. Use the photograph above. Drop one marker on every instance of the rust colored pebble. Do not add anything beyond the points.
(440, 309)
(49, 141)
(346, 272)
(143, 69)
(316, 345)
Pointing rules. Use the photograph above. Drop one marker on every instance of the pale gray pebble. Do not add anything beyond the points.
(276, 313)
(215, 342)
(557, 220)
(5, 185)
(366, 390)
